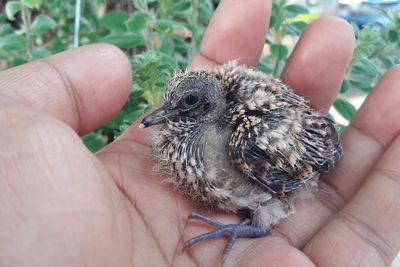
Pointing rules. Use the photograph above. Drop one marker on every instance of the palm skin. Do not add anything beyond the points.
(60, 205)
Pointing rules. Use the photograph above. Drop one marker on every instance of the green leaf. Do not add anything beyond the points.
(124, 40)
(181, 47)
(17, 61)
(295, 28)
(276, 9)
(279, 51)
(387, 62)
(366, 66)
(296, 9)
(369, 67)
(279, 68)
(167, 45)
(266, 65)
(115, 21)
(12, 7)
(393, 36)
(345, 109)
(345, 87)
(32, 3)
(164, 24)
(41, 52)
(205, 13)
(13, 42)
(299, 26)
(272, 22)
(360, 82)
(43, 24)
(181, 7)
(136, 22)
(3, 18)
(140, 5)
(136, 94)
(167, 63)
(93, 141)
(133, 116)
(6, 29)
(116, 121)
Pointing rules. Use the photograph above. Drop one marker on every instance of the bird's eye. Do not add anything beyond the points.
(191, 100)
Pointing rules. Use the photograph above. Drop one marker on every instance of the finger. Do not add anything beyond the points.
(237, 31)
(373, 128)
(270, 252)
(365, 232)
(317, 66)
(83, 87)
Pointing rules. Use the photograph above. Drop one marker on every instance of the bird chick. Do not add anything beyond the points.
(238, 140)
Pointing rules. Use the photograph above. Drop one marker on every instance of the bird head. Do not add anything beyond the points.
(194, 96)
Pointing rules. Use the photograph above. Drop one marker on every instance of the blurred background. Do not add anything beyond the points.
(160, 37)
(381, 15)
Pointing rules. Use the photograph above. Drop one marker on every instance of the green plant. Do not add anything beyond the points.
(282, 36)
(377, 49)
(160, 37)
(18, 45)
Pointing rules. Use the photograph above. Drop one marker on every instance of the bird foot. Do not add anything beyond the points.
(243, 229)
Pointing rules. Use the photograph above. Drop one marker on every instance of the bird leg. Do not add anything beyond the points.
(243, 229)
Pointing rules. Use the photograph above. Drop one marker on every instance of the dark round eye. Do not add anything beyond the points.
(191, 100)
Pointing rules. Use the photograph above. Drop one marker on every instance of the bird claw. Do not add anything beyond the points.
(243, 229)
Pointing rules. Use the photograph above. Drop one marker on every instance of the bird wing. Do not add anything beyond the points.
(281, 146)
(277, 140)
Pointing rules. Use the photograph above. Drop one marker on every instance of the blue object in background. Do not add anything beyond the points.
(365, 12)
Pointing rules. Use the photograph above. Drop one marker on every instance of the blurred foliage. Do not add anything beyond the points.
(377, 49)
(161, 37)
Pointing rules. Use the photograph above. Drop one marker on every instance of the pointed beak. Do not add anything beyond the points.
(158, 116)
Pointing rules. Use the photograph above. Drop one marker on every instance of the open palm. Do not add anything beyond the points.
(60, 205)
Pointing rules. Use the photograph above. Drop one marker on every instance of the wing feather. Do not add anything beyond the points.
(277, 141)
(283, 148)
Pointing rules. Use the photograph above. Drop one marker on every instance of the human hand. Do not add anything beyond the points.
(60, 205)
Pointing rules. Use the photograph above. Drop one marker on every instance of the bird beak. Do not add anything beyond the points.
(158, 116)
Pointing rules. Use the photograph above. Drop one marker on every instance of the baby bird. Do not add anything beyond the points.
(238, 140)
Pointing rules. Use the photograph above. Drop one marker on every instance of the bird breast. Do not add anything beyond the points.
(228, 185)
(195, 161)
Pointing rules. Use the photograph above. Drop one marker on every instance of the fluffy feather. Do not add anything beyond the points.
(248, 144)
